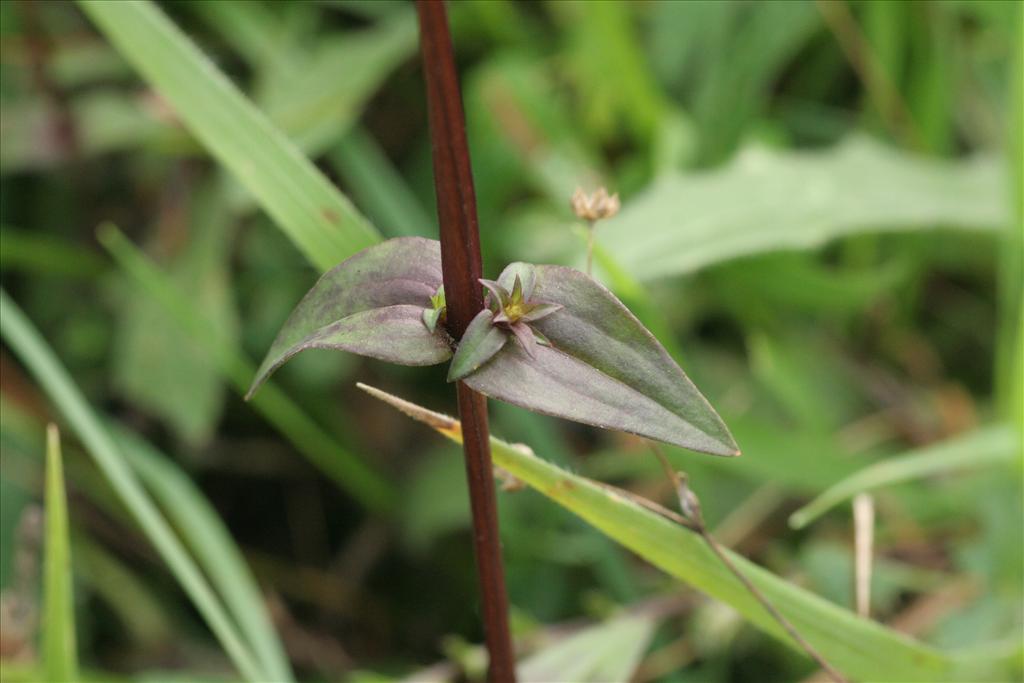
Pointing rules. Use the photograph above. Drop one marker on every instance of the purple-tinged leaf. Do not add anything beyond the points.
(605, 368)
(499, 295)
(525, 337)
(538, 311)
(479, 344)
(395, 334)
(403, 272)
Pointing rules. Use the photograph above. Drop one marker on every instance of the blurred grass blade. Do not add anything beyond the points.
(609, 651)
(60, 661)
(986, 446)
(382, 191)
(350, 473)
(297, 71)
(313, 105)
(861, 649)
(772, 201)
(212, 546)
(133, 604)
(1009, 365)
(33, 252)
(333, 104)
(319, 219)
(31, 348)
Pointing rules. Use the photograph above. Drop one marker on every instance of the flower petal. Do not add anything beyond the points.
(540, 310)
(499, 293)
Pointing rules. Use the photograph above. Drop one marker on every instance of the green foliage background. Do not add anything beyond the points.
(822, 208)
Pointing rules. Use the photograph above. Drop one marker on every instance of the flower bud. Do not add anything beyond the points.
(596, 206)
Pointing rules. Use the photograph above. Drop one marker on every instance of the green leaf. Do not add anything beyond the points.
(772, 201)
(603, 368)
(609, 651)
(371, 304)
(319, 219)
(859, 648)
(29, 346)
(478, 345)
(987, 446)
(60, 661)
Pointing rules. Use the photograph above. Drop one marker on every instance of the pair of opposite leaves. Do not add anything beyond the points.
(583, 357)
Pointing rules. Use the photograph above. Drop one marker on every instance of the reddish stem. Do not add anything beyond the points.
(460, 262)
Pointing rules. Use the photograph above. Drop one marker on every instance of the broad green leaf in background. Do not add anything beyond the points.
(29, 346)
(609, 651)
(984, 447)
(322, 222)
(775, 201)
(350, 473)
(60, 659)
(861, 649)
(162, 369)
(755, 288)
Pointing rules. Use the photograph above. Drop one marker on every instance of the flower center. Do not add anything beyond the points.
(514, 311)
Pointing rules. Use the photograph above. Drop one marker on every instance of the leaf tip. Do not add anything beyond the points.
(799, 519)
(52, 436)
(257, 383)
(442, 423)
